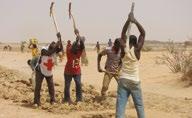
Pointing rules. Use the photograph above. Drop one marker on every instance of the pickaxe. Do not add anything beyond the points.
(55, 24)
(71, 16)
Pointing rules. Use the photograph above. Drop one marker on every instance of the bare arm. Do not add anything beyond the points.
(49, 52)
(59, 43)
(76, 32)
(125, 28)
(99, 60)
(123, 33)
(141, 36)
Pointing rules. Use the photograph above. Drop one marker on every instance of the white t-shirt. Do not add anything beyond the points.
(46, 65)
(130, 66)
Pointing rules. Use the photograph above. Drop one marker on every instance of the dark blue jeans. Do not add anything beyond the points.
(68, 79)
(39, 79)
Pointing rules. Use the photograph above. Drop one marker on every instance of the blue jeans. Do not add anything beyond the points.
(68, 79)
(125, 89)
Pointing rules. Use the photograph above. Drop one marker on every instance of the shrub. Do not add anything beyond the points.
(178, 59)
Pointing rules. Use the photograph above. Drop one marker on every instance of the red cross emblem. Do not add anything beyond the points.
(49, 64)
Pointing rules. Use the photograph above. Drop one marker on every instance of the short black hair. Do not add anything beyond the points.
(117, 45)
(51, 46)
(68, 41)
(75, 47)
(132, 39)
(117, 42)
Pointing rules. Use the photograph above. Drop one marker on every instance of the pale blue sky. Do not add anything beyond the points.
(96, 19)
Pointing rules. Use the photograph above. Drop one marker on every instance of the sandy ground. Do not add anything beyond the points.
(165, 95)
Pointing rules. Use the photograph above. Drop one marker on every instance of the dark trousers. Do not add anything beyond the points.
(68, 79)
(39, 79)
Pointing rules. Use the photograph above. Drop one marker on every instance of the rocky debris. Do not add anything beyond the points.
(19, 89)
(15, 86)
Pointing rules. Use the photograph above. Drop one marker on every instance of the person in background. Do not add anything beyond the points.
(110, 43)
(9, 47)
(33, 61)
(34, 54)
(97, 47)
(22, 46)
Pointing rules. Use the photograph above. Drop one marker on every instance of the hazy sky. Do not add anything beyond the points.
(96, 19)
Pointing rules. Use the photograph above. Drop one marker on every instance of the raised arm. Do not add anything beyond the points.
(59, 44)
(53, 48)
(82, 45)
(141, 38)
(78, 46)
(59, 47)
(123, 33)
(125, 28)
(76, 31)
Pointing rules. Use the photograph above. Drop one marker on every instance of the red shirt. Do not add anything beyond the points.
(72, 66)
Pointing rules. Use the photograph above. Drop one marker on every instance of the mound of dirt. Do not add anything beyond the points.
(13, 86)
(16, 87)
